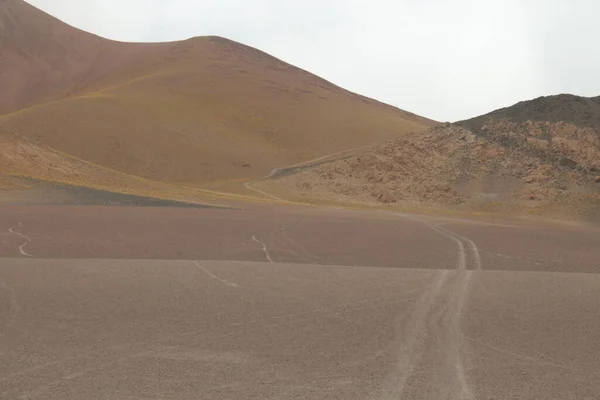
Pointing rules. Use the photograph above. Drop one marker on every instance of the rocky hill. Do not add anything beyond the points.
(538, 156)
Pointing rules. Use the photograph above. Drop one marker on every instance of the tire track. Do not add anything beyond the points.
(264, 248)
(409, 351)
(213, 276)
(449, 379)
(472, 246)
(455, 350)
(27, 239)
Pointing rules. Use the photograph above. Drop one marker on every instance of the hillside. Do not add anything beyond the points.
(42, 59)
(199, 111)
(539, 156)
(22, 159)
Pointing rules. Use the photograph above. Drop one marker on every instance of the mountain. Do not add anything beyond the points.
(201, 111)
(538, 156)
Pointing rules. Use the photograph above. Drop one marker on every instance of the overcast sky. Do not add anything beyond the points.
(444, 59)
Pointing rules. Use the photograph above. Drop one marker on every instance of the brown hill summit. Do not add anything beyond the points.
(199, 111)
(44, 59)
(541, 155)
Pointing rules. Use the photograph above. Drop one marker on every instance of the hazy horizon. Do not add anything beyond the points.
(444, 61)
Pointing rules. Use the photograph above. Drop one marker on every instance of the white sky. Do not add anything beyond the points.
(444, 59)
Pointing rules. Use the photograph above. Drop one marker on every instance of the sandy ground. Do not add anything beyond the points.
(264, 302)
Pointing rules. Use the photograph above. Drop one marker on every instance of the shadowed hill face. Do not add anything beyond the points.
(536, 156)
(197, 111)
